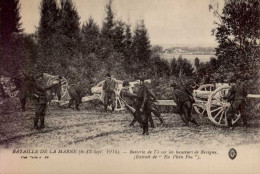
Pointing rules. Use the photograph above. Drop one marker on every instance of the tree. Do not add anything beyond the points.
(48, 36)
(118, 36)
(237, 33)
(69, 20)
(59, 37)
(187, 68)
(48, 19)
(196, 64)
(90, 37)
(10, 27)
(157, 49)
(128, 51)
(10, 19)
(159, 67)
(69, 40)
(141, 48)
(128, 39)
(108, 23)
(181, 67)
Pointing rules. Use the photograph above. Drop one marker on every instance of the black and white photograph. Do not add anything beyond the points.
(130, 86)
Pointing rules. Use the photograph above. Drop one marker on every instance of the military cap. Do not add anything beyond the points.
(125, 83)
(142, 78)
(39, 75)
(108, 75)
(233, 80)
(174, 84)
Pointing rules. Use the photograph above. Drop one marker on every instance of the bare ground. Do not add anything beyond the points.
(67, 128)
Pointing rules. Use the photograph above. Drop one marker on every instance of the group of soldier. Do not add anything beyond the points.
(140, 104)
(144, 100)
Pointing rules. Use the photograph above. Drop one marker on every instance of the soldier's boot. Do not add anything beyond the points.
(133, 122)
(113, 109)
(145, 125)
(244, 120)
(23, 101)
(157, 114)
(36, 118)
(105, 108)
(77, 106)
(184, 119)
(161, 120)
(70, 103)
(229, 121)
(194, 121)
(151, 122)
(42, 122)
(138, 119)
(145, 129)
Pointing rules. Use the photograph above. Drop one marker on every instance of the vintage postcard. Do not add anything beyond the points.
(130, 86)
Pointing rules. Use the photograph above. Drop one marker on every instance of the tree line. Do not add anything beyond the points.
(85, 53)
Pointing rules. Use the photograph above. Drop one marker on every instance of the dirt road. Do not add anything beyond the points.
(67, 128)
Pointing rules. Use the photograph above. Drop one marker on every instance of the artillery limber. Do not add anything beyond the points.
(8, 87)
(11, 90)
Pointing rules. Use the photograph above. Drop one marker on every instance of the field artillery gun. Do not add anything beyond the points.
(210, 102)
(208, 98)
(98, 93)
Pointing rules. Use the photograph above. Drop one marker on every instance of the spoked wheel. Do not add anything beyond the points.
(217, 107)
(119, 104)
(10, 87)
(200, 109)
(201, 98)
(64, 85)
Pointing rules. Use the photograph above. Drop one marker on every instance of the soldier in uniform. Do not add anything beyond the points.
(144, 105)
(41, 102)
(154, 109)
(23, 84)
(184, 100)
(130, 99)
(109, 87)
(237, 97)
(19, 83)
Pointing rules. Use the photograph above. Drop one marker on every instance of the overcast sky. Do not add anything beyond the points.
(169, 22)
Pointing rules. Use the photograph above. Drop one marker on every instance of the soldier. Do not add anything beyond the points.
(109, 87)
(19, 83)
(129, 99)
(23, 84)
(40, 93)
(144, 103)
(154, 109)
(237, 98)
(183, 99)
(126, 94)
